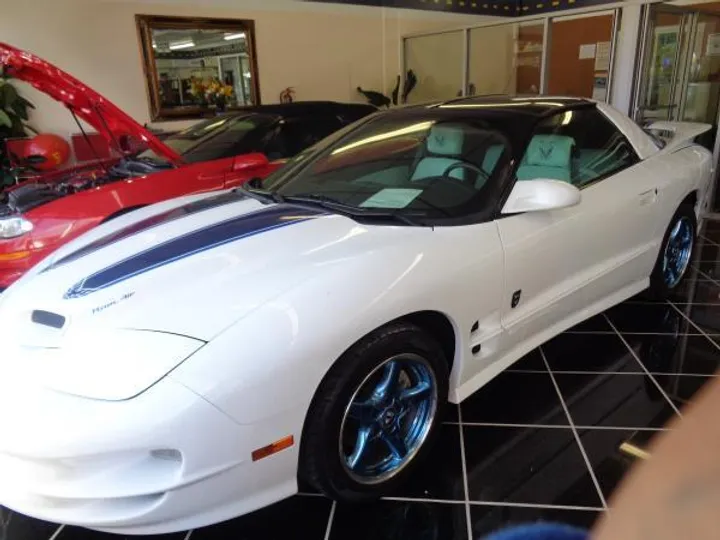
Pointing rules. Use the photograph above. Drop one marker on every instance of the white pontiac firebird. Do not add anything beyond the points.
(188, 362)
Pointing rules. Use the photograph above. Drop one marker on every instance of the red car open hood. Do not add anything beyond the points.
(101, 114)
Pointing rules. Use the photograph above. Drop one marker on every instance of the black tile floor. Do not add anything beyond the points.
(549, 439)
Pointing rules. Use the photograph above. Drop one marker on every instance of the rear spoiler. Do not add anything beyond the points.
(676, 134)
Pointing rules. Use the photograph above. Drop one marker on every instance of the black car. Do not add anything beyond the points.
(279, 131)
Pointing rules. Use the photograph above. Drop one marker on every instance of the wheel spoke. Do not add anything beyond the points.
(396, 444)
(416, 393)
(386, 386)
(361, 444)
(362, 411)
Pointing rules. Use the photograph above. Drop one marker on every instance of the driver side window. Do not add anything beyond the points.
(459, 151)
(577, 146)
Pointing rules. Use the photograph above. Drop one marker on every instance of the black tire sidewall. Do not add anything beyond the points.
(322, 431)
(658, 288)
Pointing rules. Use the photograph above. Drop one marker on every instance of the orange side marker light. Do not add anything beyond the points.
(274, 448)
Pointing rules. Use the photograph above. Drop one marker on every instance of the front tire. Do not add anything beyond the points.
(375, 414)
(675, 253)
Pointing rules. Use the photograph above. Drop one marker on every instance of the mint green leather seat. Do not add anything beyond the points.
(443, 148)
(548, 156)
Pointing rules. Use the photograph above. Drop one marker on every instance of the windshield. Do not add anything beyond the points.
(218, 138)
(400, 163)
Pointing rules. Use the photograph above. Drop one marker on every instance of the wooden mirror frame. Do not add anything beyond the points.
(147, 23)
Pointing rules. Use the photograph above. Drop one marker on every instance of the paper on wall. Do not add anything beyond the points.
(602, 56)
(587, 51)
(713, 45)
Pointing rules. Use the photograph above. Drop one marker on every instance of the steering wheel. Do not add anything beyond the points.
(465, 165)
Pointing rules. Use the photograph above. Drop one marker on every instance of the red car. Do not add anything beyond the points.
(38, 216)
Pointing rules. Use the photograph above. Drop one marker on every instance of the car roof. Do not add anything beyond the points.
(537, 106)
(303, 108)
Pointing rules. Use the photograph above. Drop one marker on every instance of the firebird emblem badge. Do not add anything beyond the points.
(546, 151)
(112, 303)
(440, 139)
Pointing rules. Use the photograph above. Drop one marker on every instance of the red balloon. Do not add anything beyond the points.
(47, 151)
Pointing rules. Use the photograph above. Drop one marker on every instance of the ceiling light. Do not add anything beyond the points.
(229, 37)
(181, 45)
(154, 45)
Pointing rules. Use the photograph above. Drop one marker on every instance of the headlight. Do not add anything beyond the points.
(112, 365)
(15, 226)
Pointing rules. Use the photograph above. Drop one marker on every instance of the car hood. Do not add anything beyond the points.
(191, 267)
(110, 121)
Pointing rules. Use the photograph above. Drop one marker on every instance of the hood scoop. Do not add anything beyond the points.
(47, 318)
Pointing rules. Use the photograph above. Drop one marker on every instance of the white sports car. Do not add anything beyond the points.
(187, 362)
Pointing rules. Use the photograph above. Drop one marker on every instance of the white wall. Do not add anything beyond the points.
(324, 51)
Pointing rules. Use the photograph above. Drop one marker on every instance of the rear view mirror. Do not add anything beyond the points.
(250, 161)
(540, 194)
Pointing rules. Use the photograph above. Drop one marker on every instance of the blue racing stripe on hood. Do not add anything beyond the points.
(151, 222)
(219, 234)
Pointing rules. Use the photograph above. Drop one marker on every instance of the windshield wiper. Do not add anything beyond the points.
(355, 211)
(264, 197)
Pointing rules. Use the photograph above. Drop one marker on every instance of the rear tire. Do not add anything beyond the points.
(675, 254)
(375, 414)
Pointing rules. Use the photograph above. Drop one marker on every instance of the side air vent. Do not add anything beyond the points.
(45, 318)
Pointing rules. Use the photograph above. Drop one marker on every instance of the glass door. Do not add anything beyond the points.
(680, 78)
(666, 34)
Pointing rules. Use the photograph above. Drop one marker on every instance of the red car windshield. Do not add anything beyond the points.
(218, 138)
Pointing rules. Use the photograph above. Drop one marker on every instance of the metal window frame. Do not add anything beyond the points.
(546, 19)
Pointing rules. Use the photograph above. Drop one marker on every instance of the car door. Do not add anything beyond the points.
(560, 265)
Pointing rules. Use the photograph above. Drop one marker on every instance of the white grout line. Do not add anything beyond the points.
(496, 503)
(57, 532)
(543, 506)
(707, 277)
(575, 432)
(647, 372)
(188, 535)
(423, 500)
(590, 372)
(466, 480)
(713, 242)
(611, 333)
(330, 520)
(688, 319)
(557, 426)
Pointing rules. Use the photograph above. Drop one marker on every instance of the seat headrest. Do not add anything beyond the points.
(444, 140)
(550, 150)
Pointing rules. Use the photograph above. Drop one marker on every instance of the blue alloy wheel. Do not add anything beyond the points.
(388, 419)
(677, 252)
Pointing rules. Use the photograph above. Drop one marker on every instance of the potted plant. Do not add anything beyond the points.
(211, 93)
(14, 111)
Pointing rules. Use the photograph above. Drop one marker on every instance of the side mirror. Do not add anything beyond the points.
(250, 161)
(541, 194)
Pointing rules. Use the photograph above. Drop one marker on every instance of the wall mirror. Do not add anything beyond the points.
(197, 67)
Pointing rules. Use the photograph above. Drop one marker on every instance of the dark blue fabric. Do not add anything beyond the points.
(540, 531)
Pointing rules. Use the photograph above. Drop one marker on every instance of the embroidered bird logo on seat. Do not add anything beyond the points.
(546, 151)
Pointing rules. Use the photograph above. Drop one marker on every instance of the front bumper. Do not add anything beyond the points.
(162, 462)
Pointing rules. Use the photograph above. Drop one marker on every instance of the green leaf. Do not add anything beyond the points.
(20, 110)
(5, 119)
(25, 102)
(9, 94)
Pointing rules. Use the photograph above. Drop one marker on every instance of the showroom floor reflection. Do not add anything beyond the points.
(548, 439)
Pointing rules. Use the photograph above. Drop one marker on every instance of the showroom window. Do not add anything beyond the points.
(198, 67)
(563, 148)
